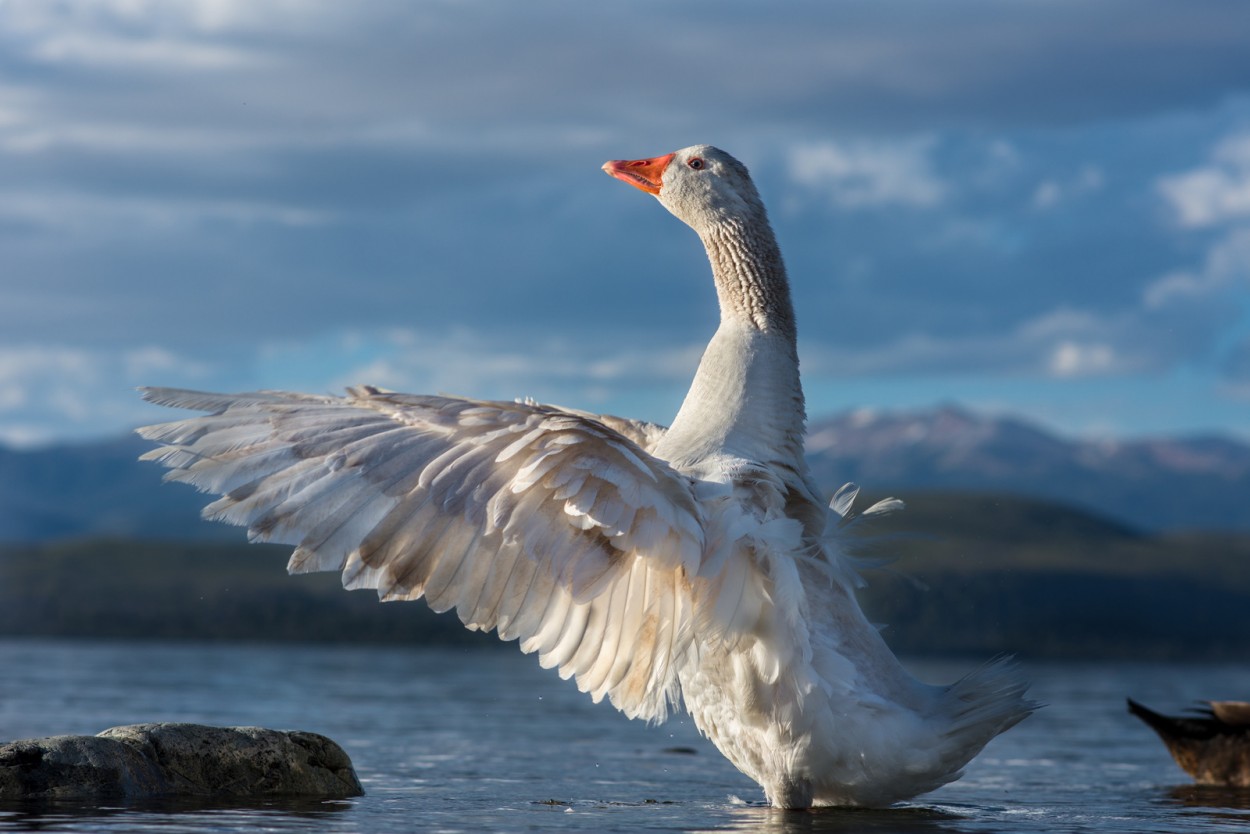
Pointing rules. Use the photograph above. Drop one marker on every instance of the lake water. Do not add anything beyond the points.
(484, 741)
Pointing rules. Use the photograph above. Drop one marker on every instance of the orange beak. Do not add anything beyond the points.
(640, 173)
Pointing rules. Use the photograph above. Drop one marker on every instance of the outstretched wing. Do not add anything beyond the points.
(641, 432)
(543, 524)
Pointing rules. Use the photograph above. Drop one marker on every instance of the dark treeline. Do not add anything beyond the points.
(986, 573)
(196, 590)
(966, 574)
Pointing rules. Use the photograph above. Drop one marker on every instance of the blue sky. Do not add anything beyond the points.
(1039, 207)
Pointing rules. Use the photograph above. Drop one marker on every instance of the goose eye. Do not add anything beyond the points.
(696, 163)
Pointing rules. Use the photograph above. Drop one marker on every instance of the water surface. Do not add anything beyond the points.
(484, 741)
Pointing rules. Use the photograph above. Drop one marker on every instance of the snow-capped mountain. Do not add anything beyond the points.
(101, 489)
(1154, 483)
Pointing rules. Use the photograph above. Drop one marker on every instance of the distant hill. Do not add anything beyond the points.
(1152, 484)
(981, 573)
(968, 575)
(101, 489)
(154, 590)
(96, 489)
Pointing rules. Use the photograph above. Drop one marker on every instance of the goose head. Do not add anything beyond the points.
(701, 185)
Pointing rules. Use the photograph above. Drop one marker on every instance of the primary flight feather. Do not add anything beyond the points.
(693, 565)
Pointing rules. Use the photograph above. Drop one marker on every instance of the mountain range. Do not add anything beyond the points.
(101, 489)
(1153, 484)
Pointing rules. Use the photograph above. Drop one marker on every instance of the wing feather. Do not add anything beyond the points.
(512, 601)
(440, 585)
(552, 527)
(610, 627)
(555, 607)
(567, 637)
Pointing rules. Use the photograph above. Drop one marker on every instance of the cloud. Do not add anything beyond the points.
(221, 178)
(1225, 271)
(88, 51)
(1235, 367)
(51, 391)
(1060, 344)
(485, 364)
(1076, 359)
(97, 216)
(1052, 193)
(864, 174)
(1183, 321)
(1212, 203)
(805, 68)
(1217, 192)
(1048, 271)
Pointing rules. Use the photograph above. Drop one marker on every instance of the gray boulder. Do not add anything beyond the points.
(163, 760)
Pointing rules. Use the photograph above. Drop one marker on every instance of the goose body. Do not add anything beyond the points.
(691, 565)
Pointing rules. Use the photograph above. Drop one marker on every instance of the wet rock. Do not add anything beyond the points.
(161, 760)
(76, 767)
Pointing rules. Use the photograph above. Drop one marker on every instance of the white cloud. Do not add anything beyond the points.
(144, 136)
(1235, 368)
(1208, 196)
(108, 216)
(495, 366)
(96, 51)
(1059, 324)
(1215, 197)
(1070, 343)
(33, 18)
(21, 366)
(58, 391)
(639, 380)
(863, 174)
(1173, 286)
(1051, 192)
(49, 391)
(1065, 343)
(1225, 270)
(1215, 193)
(1047, 195)
(1076, 359)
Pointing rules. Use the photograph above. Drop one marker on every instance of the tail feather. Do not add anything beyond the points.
(1158, 723)
(1201, 726)
(983, 704)
(962, 719)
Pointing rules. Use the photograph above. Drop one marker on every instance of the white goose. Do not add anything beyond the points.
(654, 566)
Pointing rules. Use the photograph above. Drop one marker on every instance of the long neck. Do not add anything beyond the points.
(746, 399)
(750, 276)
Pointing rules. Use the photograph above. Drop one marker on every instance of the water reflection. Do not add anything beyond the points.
(1218, 807)
(901, 820)
(269, 813)
(482, 744)
(1215, 796)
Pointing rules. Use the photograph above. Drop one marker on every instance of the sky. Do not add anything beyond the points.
(1029, 207)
